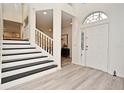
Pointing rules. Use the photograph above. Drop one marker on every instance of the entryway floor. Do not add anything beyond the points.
(74, 77)
(66, 61)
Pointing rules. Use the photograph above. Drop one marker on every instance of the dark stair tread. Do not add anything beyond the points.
(21, 53)
(19, 48)
(25, 65)
(24, 74)
(17, 39)
(21, 59)
(16, 43)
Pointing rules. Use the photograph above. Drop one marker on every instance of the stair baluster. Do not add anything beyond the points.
(44, 41)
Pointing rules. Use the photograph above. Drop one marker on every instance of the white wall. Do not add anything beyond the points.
(68, 30)
(57, 8)
(25, 11)
(62, 6)
(1, 24)
(76, 46)
(1, 37)
(116, 33)
(12, 12)
(16, 12)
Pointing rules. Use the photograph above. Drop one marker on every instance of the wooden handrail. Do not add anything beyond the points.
(43, 33)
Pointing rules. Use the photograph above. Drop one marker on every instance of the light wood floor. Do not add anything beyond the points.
(74, 77)
(66, 61)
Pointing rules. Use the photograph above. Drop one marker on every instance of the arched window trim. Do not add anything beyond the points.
(92, 14)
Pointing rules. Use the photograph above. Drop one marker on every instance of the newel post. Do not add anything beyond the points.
(32, 22)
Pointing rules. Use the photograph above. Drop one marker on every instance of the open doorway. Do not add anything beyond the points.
(44, 21)
(44, 30)
(66, 39)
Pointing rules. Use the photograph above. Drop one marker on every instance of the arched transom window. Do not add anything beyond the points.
(94, 17)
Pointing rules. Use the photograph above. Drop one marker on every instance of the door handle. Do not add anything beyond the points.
(86, 46)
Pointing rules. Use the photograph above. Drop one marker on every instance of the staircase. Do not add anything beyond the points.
(22, 62)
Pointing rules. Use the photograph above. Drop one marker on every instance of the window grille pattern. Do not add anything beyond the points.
(94, 17)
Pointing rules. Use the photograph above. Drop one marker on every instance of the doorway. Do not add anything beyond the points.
(95, 47)
(66, 39)
(44, 21)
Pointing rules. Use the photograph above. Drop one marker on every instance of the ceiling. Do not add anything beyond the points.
(45, 22)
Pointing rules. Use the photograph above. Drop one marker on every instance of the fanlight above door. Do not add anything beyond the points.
(94, 17)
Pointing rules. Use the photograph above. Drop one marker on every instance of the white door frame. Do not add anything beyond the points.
(94, 25)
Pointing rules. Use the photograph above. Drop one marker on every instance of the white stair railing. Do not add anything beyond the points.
(44, 41)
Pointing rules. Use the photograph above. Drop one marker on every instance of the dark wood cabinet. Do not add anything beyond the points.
(65, 52)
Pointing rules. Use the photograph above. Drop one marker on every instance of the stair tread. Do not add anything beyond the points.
(34, 62)
(19, 48)
(24, 74)
(21, 59)
(25, 65)
(21, 53)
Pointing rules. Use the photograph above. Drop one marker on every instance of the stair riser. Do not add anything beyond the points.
(12, 76)
(28, 78)
(21, 56)
(15, 46)
(21, 53)
(14, 41)
(10, 73)
(23, 62)
(25, 66)
(18, 51)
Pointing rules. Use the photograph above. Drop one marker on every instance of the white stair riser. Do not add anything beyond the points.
(27, 78)
(10, 73)
(21, 56)
(16, 46)
(23, 62)
(18, 51)
(13, 41)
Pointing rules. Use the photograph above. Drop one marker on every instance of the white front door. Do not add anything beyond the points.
(96, 46)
